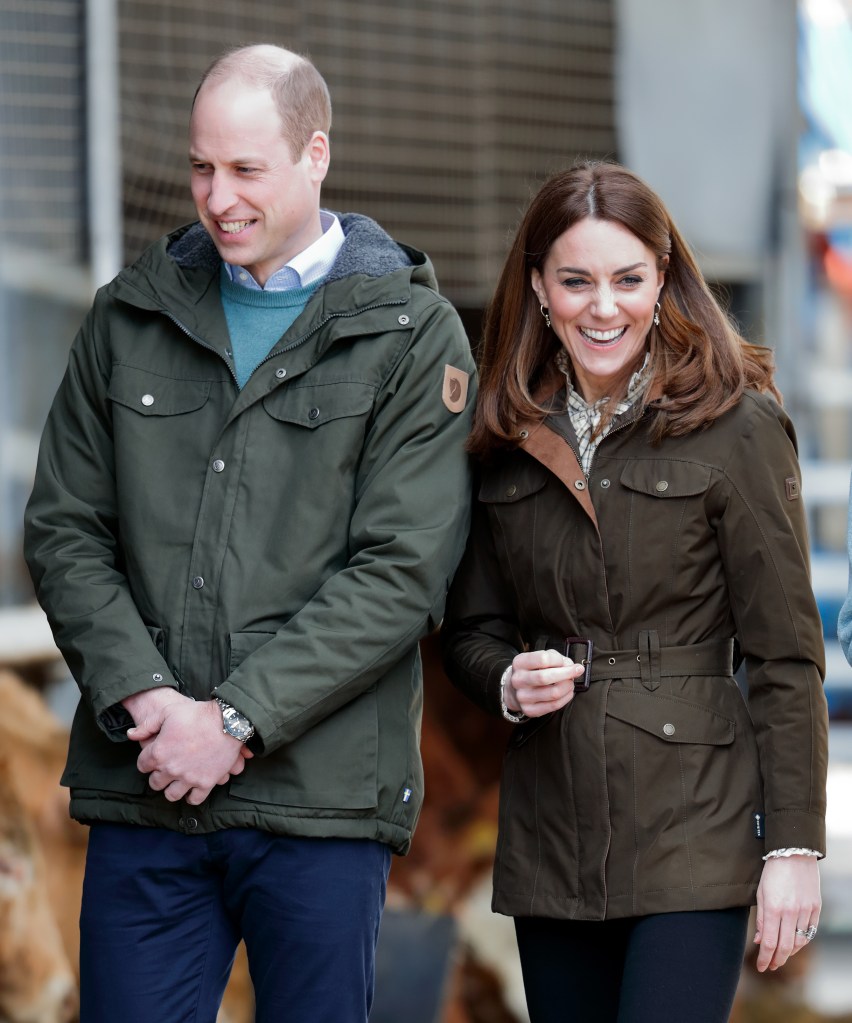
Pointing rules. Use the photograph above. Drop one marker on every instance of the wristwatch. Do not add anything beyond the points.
(234, 723)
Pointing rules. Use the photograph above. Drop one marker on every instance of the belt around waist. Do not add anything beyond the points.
(649, 661)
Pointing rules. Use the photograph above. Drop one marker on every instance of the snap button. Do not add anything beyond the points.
(511, 491)
(524, 434)
(662, 485)
(612, 660)
(404, 320)
(669, 729)
(147, 399)
(191, 823)
(604, 484)
(579, 484)
(218, 465)
(281, 373)
(198, 582)
(313, 413)
(157, 677)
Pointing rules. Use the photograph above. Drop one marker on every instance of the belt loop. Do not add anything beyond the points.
(649, 658)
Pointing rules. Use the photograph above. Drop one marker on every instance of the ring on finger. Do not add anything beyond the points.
(808, 933)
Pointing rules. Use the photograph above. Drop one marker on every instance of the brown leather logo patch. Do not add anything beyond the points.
(455, 388)
(794, 491)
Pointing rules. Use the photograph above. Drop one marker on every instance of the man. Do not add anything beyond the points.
(250, 497)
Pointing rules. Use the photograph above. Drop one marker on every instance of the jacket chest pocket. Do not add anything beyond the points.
(155, 397)
(534, 523)
(661, 514)
(163, 429)
(330, 420)
(511, 497)
(313, 405)
(665, 479)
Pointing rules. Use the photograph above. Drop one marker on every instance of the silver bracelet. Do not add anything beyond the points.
(509, 715)
(778, 854)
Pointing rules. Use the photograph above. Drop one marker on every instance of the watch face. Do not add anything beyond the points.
(236, 724)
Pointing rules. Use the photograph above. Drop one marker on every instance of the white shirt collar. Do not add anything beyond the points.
(303, 269)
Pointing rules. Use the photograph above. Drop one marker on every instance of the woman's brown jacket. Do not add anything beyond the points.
(658, 789)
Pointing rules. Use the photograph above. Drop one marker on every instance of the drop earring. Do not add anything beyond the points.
(657, 315)
(544, 313)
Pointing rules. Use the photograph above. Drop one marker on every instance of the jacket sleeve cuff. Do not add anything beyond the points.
(115, 721)
(794, 829)
(112, 716)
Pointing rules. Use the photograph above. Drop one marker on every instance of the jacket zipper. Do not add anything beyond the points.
(198, 340)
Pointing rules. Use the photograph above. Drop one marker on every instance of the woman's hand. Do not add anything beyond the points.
(788, 901)
(541, 682)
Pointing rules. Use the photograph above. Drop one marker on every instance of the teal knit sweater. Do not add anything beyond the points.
(257, 320)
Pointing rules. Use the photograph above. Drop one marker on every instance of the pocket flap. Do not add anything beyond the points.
(670, 718)
(660, 477)
(153, 395)
(312, 405)
(506, 488)
(243, 644)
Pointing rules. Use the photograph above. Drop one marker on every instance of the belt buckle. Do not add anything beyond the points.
(582, 683)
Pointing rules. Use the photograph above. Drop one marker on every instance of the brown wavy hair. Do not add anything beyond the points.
(699, 361)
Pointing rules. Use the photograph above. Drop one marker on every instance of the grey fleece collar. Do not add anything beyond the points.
(367, 249)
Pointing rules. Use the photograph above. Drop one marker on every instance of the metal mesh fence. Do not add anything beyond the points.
(445, 113)
(42, 174)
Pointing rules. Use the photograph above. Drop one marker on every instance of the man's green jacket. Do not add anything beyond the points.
(283, 546)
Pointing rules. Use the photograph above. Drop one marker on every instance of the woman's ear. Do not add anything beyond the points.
(661, 274)
(538, 285)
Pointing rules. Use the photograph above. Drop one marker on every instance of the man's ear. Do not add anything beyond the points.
(318, 153)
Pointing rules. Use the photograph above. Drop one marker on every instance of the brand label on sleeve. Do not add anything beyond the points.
(454, 391)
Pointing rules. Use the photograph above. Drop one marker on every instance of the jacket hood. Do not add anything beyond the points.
(180, 267)
(368, 249)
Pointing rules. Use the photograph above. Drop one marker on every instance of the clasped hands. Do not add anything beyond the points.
(185, 752)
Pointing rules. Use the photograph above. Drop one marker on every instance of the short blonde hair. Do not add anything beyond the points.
(298, 89)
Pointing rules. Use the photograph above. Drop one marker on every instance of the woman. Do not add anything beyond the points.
(639, 529)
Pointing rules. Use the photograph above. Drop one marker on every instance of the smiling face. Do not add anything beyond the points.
(599, 284)
(260, 208)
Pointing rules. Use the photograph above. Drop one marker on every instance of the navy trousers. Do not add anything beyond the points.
(163, 913)
(665, 968)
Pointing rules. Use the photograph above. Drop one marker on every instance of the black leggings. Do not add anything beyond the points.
(666, 968)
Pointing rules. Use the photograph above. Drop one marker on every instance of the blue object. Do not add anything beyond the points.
(163, 913)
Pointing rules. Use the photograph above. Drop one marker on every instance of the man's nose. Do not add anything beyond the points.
(221, 197)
